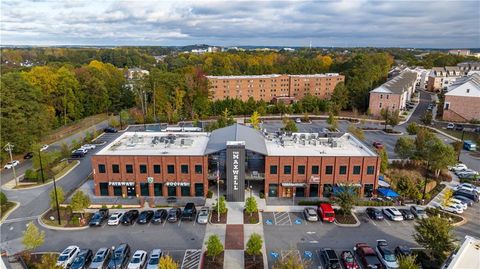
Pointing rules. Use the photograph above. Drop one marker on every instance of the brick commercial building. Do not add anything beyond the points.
(462, 101)
(182, 164)
(393, 94)
(269, 87)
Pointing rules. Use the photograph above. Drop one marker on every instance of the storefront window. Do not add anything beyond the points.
(300, 191)
(368, 190)
(328, 169)
(172, 191)
(313, 190)
(143, 169)
(327, 190)
(315, 170)
(343, 170)
(103, 189)
(356, 170)
(273, 190)
(144, 191)
(301, 169)
(117, 190)
(131, 191)
(185, 190)
(199, 189)
(101, 168)
(370, 170)
(171, 169)
(157, 189)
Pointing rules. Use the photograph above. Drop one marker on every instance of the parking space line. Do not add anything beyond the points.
(180, 222)
(388, 222)
(372, 221)
(165, 222)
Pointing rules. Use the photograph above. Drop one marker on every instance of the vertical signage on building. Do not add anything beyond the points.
(235, 172)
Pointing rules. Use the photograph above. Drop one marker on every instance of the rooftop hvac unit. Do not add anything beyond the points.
(187, 142)
(334, 144)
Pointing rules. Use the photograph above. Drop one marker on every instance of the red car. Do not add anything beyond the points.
(378, 145)
(348, 260)
(368, 257)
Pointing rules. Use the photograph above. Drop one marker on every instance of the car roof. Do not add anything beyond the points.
(69, 249)
(156, 251)
(100, 251)
(326, 206)
(139, 252)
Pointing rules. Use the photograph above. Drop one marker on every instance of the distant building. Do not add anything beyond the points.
(440, 77)
(459, 52)
(422, 78)
(462, 101)
(160, 58)
(468, 66)
(273, 86)
(289, 49)
(467, 256)
(393, 94)
(135, 73)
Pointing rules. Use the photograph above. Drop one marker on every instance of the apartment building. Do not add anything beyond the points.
(273, 86)
(440, 77)
(462, 101)
(459, 52)
(393, 94)
(468, 67)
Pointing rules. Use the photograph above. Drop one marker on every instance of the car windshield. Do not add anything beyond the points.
(153, 261)
(390, 257)
(348, 258)
(62, 258)
(420, 211)
(136, 260)
(78, 260)
(329, 215)
(98, 258)
(113, 217)
(203, 213)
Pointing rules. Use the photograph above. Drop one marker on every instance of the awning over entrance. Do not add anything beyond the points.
(387, 192)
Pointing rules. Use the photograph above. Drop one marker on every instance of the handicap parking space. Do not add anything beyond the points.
(282, 218)
(191, 259)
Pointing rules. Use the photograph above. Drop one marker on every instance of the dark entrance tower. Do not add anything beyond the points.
(235, 171)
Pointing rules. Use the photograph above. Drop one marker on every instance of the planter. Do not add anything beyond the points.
(347, 220)
(250, 219)
(253, 261)
(209, 263)
(68, 219)
(213, 218)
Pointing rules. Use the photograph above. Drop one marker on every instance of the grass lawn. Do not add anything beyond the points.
(6, 208)
(63, 168)
(468, 135)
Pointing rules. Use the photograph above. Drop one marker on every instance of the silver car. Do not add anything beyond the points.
(154, 259)
(101, 258)
(310, 214)
(202, 217)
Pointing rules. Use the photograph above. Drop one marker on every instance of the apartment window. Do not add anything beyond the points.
(101, 168)
(273, 169)
(301, 169)
(381, 96)
(287, 169)
(143, 169)
(115, 169)
(380, 105)
(370, 170)
(468, 90)
(329, 169)
(184, 169)
(447, 106)
(198, 169)
(387, 96)
(315, 170)
(156, 169)
(129, 168)
(343, 169)
(171, 169)
(356, 170)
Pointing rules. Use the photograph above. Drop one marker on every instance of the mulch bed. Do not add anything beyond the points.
(223, 218)
(209, 263)
(6, 208)
(253, 219)
(67, 218)
(31, 260)
(344, 219)
(250, 263)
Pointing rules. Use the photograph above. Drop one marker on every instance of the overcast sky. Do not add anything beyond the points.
(397, 23)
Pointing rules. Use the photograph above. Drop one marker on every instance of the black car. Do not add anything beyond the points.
(130, 217)
(77, 154)
(403, 251)
(99, 217)
(464, 199)
(174, 214)
(120, 257)
(159, 216)
(407, 215)
(83, 259)
(110, 130)
(374, 213)
(329, 258)
(189, 212)
(467, 194)
(145, 217)
(27, 156)
(459, 127)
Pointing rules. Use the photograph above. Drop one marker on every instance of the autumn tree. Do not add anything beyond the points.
(254, 245)
(80, 201)
(33, 237)
(436, 235)
(255, 120)
(60, 197)
(214, 246)
(167, 262)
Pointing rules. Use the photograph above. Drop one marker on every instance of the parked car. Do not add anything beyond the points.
(452, 208)
(329, 258)
(326, 212)
(44, 147)
(393, 214)
(403, 251)
(202, 217)
(377, 145)
(120, 257)
(468, 194)
(459, 202)
(77, 154)
(115, 219)
(11, 164)
(348, 260)
(418, 211)
(310, 214)
(138, 260)
(99, 217)
(367, 255)
(159, 216)
(82, 150)
(83, 259)
(189, 212)
(174, 214)
(450, 126)
(298, 120)
(458, 167)
(129, 217)
(67, 256)
(28, 155)
(386, 255)
(459, 127)
(469, 188)
(464, 199)
(374, 213)
(145, 217)
(89, 146)
(110, 130)
(154, 259)
(101, 258)
(406, 214)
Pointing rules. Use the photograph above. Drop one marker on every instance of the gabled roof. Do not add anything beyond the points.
(254, 140)
(398, 84)
(460, 86)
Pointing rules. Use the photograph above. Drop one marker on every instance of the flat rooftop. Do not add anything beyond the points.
(314, 144)
(158, 143)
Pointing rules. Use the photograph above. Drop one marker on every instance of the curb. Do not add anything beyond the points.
(46, 226)
(48, 183)
(17, 204)
(349, 225)
(394, 134)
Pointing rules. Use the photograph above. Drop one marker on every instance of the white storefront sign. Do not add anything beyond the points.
(289, 184)
(235, 170)
(112, 183)
(175, 184)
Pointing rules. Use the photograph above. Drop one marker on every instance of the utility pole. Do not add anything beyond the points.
(56, 199)
(218, 190)
(9, 147)
(41, 165)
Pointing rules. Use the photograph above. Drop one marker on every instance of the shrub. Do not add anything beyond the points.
(214, 246)
(31, 175)
(209, 194)
(3, 199)
(262, 195)
(251, 205)
(412, 128)
(309, 202)
(254, 245)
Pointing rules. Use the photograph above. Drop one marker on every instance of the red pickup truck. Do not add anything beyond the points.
(368, 257)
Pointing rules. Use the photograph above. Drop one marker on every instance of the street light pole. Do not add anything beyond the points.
(56, 199)
(41, 165)
(218, 190)
(9, 147)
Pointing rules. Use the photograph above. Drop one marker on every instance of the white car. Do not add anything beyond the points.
(202, 216)
(84, 150)
(10, 165)
(450, 126)
(465, 171)
(452, 208)
(44, 147)
(114, 219)
(467, 188)
(458, 202)
(298, 120)
(458, 167)
(393, 214)
(88, 146)
(154, 259)
(67, 256)
(138, 260)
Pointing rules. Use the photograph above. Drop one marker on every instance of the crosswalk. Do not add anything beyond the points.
(19, 219)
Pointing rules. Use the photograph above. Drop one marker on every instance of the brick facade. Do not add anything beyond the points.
(384, 100)
(461, 108)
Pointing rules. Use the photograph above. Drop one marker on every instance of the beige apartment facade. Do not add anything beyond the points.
(273, 86)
